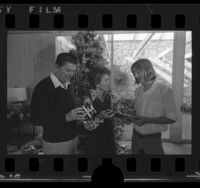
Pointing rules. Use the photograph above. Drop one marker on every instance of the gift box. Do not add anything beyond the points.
(91, 121)
(89, 109)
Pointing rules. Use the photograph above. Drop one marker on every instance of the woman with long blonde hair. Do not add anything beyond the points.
(155, 109)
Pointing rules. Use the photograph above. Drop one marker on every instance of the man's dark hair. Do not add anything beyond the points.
(62, 58)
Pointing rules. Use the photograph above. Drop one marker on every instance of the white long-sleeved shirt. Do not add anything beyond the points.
(156, 102)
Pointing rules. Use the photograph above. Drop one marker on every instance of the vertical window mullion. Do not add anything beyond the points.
(112, 63)
(178, 81)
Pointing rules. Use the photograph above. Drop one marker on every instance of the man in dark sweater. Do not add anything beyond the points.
(53, 107)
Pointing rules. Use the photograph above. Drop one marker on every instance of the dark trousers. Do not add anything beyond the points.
(147, 145)
(97, 144)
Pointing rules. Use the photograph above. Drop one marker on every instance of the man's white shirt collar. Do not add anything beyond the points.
(56, 82)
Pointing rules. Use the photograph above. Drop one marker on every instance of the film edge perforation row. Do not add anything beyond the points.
(107, 21)
(132, 165)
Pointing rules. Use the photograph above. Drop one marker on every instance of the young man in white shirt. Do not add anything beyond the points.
(155, 109)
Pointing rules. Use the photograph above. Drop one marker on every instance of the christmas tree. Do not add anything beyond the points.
(90, 54)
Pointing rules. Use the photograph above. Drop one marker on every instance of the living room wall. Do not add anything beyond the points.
(30, 57)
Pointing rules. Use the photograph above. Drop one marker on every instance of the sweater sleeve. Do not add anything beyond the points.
(39, 109)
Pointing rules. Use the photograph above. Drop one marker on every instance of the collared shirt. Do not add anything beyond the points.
(57, 83)
(156, 102)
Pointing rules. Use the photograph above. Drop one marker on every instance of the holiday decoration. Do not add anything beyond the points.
(90, 54)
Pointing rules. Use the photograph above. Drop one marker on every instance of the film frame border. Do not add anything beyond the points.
(118, 14)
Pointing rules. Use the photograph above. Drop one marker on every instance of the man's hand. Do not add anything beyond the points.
(139, 121)
(75, 114)
(138, 124)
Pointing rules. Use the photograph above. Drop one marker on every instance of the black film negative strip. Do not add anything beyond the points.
(37, 26)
